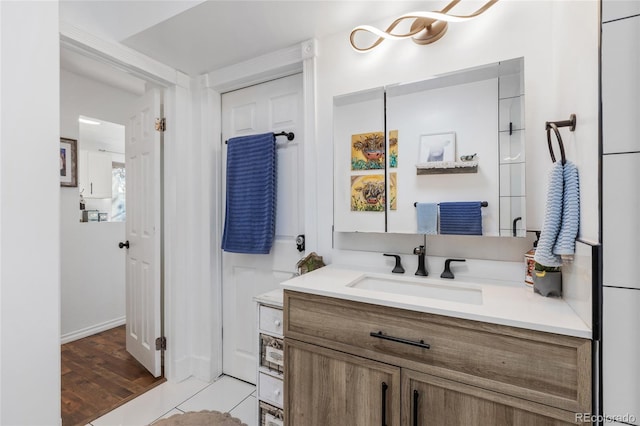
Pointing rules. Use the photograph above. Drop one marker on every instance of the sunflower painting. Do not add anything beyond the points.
(393, 148)
(367, 193)
(367, 151)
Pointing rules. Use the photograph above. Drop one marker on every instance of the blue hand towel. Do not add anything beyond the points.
(249, 224)
(566, 242)
(552, 219)
(461, 218)
(427, 218)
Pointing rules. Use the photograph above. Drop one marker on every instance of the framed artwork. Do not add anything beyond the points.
(68, 162)
(393, 148)
(437, 147)
(393, 190)
(367, 193)
(367, 151)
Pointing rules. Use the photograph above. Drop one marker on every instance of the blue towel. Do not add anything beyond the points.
(552, 219)
(250, 212)
(461, 218)
(566, 242)
(427, 218)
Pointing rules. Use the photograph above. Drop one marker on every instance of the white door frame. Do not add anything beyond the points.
(298, 58)
(176, 110)
(192, 205)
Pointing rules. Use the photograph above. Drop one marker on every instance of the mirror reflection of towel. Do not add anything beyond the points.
(249, 223)
(427, 218)
(461, 218)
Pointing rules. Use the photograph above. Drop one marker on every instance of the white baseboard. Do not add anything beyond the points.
(90, 331)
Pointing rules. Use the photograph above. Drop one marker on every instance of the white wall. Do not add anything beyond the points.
(559, 43)
(29, 214)
(93, 267)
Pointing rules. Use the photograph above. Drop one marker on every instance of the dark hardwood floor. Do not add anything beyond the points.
(98, 375)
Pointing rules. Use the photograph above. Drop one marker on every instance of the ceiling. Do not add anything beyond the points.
(196, 37)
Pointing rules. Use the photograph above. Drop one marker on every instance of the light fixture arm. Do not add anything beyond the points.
(426, 28)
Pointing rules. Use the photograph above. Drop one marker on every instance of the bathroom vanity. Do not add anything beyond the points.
(374, 349)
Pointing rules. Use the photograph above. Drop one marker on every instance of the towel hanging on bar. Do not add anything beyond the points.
(250, 205)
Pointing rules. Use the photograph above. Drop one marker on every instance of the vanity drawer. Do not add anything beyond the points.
(537, 366)
(271, 320)
(270, 415)
(270, 389)
(271, 353)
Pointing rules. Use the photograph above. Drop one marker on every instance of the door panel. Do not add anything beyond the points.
(324, 387)
(272, 106)
(142, 152)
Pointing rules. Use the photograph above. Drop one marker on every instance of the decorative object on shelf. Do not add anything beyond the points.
(309, 263)
(437, 147)
(471, 157)
(393, 148)
(367, 193)
(426, 28)
(367, 151)
(68, 162)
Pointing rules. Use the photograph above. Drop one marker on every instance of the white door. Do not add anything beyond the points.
(143, 232)
(272, 106)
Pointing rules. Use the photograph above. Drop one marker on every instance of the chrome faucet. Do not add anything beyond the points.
(421, 252)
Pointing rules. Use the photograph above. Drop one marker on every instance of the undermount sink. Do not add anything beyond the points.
(412, 287)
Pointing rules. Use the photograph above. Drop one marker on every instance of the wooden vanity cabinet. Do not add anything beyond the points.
(338, 353)
(331, 388)
(431, 400)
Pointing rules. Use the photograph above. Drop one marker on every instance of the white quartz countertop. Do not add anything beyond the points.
(501, 302)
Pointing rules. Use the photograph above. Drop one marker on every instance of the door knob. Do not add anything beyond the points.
(125, 244)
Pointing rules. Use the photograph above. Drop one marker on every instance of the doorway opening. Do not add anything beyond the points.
(97, 103)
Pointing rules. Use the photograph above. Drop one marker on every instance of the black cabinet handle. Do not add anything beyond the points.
(384, 403)
(122, 245)
(420, 344)
(92, 187)
(416, 395)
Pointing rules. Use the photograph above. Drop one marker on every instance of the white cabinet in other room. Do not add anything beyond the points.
(95, 174)
(621, 85)
(620, 354)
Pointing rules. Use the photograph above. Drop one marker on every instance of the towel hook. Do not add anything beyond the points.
(553, 125)
(559, 139)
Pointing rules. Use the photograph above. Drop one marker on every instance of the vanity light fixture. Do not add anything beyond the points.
(87, 121)
(426, 28)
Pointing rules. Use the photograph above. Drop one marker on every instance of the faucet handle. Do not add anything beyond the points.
(419, 250)
(398, 269)
(447, 268)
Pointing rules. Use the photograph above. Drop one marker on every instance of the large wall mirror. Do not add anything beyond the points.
(449, 138)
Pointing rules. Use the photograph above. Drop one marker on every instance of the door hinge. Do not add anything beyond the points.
(161, 124)
(161, 344)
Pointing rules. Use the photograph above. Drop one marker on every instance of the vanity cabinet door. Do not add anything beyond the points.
(430, 400)
(330, 388)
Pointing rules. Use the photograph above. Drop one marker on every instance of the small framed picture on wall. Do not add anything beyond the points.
(68, 162)
(437, 147)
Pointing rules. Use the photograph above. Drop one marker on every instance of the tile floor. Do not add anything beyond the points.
(226, 394)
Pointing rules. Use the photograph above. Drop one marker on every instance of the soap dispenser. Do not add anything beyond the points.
(529, 262)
